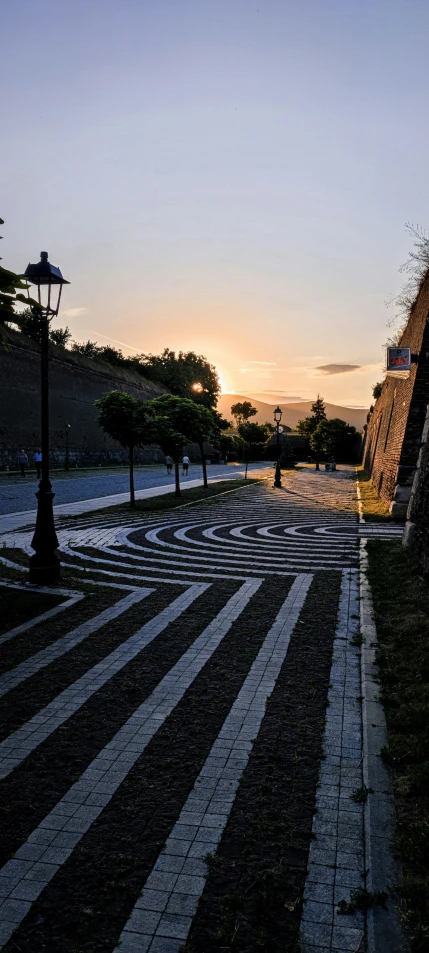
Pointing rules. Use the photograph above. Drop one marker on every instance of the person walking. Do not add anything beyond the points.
(37, 458)
(23, 462)
(169, 464)
(185, 465)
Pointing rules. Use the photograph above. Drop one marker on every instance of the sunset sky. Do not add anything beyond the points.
(227, 176)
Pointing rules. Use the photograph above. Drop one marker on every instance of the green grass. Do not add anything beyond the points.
(373, 507)
(400, 594)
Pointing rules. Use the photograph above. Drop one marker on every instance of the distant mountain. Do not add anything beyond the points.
(292, 412)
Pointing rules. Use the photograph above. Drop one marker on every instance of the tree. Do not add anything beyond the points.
(318, 413)
(255, 437)
(309, 424)
(227, 443)
(185, 375)
(10, 296)
(30, 323)
(88, 349)
(332, 436)
(60, 336)
(242, 411)
(171, 442)
(129, 421)
(318, 409)
(196, 422)
(377, 389)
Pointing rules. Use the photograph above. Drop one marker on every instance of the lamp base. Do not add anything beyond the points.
(278, 478)
(44, 568)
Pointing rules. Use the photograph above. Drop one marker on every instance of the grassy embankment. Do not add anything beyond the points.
(374, 509)
(400, 594)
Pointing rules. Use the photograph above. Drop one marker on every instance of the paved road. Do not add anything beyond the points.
(177, 711)
(16, 497)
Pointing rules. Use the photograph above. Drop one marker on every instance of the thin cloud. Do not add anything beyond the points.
(114, 341)
(264, 363)
(73, 312)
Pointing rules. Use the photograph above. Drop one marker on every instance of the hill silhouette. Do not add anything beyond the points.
(292, 412)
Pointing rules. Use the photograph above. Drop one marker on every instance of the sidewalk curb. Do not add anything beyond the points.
(384, 929)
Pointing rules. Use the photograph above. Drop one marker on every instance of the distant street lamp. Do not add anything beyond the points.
(278, 475)
(45, 565)
(66, 434)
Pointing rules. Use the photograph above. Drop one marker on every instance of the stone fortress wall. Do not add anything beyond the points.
(75, 383)
(395, 424)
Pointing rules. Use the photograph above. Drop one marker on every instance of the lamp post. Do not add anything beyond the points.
(45, 565)
(66, 434)
(278, 475)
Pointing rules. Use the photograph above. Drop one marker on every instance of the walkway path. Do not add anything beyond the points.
(178, 711)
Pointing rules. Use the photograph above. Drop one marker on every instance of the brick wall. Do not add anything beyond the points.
(395, 425)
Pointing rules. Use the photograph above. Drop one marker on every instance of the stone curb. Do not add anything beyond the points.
(384, 930)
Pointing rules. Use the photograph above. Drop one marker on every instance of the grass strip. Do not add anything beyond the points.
(373, 507)
(400, 594)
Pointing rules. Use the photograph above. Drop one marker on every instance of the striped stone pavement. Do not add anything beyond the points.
(139, 713)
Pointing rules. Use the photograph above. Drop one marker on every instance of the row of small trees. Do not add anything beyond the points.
(171, 422)
(168, 421)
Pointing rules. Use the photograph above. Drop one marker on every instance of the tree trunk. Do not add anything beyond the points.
(177, 478)
(132, 496)
(203, 461)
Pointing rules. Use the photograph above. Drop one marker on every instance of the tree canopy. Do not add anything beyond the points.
(129, 421)
(10, 294)
(242, 411)
(186, 375)
(318, 413)
(332, 436)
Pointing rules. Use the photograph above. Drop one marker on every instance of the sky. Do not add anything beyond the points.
(226, 176)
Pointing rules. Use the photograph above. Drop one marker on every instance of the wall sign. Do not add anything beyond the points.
(398, 359)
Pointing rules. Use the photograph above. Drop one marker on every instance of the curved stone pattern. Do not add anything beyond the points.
(211, 561)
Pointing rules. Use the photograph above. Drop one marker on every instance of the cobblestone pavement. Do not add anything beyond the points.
(16, 495)
(162, 722)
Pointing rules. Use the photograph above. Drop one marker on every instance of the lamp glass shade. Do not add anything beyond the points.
(45, 276)
(278, 415)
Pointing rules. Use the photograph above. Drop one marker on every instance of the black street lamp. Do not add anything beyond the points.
(278, 475)
(45, 565)
(66, 434)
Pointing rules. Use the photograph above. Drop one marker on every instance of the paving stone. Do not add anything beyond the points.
(174, 925)
(14, 910)
(319, 892)
(156, 900)
(317, 912)
(347, 939)
(143, 921)
(165, 945)
(134, 943)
